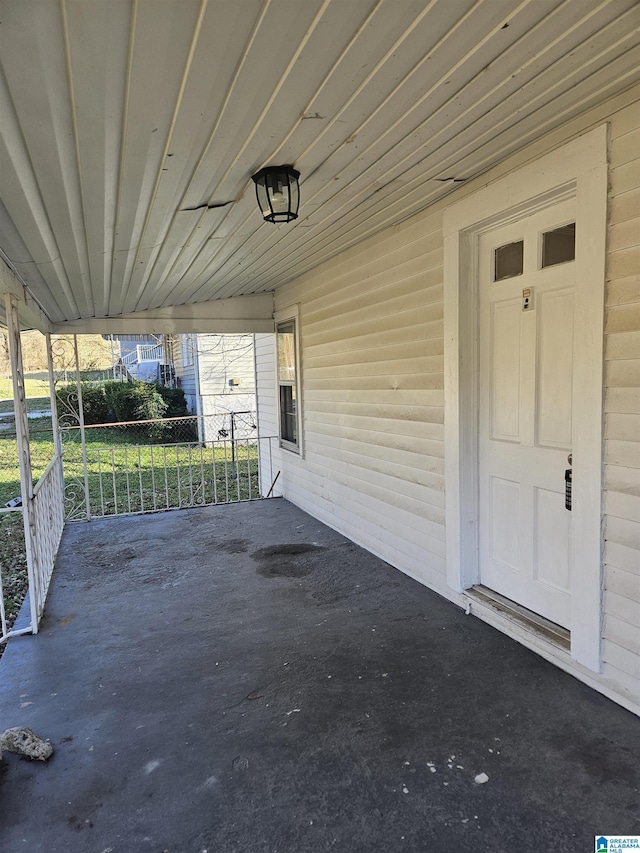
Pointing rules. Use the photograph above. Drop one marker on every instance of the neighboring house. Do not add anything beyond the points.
(143, 356)
(217, 375)
(448, 457)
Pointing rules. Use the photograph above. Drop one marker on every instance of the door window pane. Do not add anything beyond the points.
(559, 245)
(509, 260)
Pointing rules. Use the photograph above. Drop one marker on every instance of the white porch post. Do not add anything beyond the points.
(24, 454)
(196, 371)
(83, 436)
(55, 426)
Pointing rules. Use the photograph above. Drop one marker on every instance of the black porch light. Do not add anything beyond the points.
(278, 193)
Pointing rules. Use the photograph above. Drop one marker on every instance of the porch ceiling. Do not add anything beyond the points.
(130, 130)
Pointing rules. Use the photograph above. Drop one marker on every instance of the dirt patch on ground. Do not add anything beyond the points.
(288, 560)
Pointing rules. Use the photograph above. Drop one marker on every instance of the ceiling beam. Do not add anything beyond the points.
(222, 316)
(30, 314)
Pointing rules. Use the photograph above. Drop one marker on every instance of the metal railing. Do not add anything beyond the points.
(144, 352)
(48, 522)
(150, 466)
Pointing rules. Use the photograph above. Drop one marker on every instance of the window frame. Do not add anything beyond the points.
(289, 316)
(187, 350)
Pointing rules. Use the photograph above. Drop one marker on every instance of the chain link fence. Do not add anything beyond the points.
(147, 466)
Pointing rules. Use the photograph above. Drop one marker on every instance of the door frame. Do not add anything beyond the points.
(577, 169)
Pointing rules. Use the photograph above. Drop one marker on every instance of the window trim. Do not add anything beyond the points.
(282, 317)
(187, 350)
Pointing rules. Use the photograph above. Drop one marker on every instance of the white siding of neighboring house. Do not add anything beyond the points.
(222, 358)
(371, 325)
(185, 373)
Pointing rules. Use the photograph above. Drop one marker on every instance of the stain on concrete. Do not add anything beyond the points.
(78, 824)
(229, 546)
(125, 554)
(288, 560)
(240, 763)
(600, 759)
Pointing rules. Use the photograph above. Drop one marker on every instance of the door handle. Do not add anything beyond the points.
(567, 489)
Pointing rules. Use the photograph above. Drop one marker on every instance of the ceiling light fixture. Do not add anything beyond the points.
(278, 193)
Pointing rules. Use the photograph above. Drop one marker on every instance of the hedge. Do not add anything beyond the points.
(125, 401)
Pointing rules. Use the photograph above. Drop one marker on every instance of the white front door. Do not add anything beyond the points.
(526, 424)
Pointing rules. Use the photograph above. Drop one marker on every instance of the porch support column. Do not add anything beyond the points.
(24, 452)
(83, 436)
(55, 426)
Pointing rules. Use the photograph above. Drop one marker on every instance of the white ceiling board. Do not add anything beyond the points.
(242, 314)
(410, 193)
(47, 132)
(341, 204)
(129, 114)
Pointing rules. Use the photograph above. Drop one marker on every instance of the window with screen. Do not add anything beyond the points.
(288, 384)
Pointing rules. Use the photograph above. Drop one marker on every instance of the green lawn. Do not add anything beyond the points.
(37, 384)
(126, 473)
(34, 386)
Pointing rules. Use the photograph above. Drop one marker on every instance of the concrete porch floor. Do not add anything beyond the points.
(242, 678)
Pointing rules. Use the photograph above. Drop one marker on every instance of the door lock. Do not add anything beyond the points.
(567, 489)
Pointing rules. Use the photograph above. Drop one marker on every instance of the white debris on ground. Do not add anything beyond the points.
(481, 778)
(25, 742)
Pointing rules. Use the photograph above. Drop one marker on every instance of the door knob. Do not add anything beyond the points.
(570, 459)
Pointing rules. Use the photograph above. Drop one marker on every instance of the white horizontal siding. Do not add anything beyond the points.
(185, 373)
(371, 326)
(372, 377)
(621, 628)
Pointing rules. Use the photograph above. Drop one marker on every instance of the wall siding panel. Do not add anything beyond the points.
(371, 325)
(621, 643)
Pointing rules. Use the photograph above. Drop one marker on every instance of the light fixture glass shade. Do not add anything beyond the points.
(278, 193)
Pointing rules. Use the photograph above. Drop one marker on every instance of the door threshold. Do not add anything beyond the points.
(529, 620)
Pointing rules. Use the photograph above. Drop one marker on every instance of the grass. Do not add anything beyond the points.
(37, 384)
(34, 386)
(127, 472)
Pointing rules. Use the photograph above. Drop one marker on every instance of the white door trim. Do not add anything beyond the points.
(578, 169)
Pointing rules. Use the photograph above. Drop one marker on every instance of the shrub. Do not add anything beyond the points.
(94, 403)
(175, 400)
(127, 402)
(134, 401)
